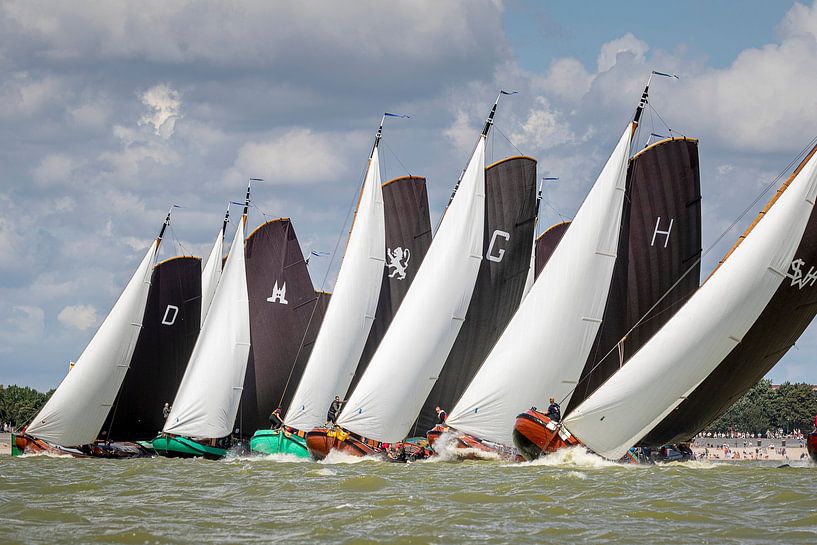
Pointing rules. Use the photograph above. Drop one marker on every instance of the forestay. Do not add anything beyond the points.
(208, 397)
(414, 349)
(543, 349)
(75, 413)
(211, 274)
(691, 345)
(351, 310)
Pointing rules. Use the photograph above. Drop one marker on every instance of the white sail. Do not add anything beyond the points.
(208, 397)
(543, 349)
(351, 310)
(211, 275)
(703, 332)
(75, 413)
(414, 348)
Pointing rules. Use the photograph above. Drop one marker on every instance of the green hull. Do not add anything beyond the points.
(182, 447)
(278, 442)
(14, 450)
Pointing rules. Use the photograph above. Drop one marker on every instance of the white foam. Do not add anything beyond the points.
(573, 457)
(446, 450)
(338, 457)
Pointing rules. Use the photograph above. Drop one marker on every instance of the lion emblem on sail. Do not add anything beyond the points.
(398, 259)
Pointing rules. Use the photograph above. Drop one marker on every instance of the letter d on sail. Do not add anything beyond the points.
(170, 319)
(496, 258)
(279, 294)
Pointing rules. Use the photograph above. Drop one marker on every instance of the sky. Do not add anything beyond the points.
(112, 111)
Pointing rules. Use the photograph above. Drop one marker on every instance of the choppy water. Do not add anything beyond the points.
(574, 498)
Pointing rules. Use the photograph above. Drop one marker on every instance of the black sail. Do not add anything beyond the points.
(510, 214)
(660, 244)
(282, 302)
(788, 313)
(547, 243)
(170, 327)
(408, 237)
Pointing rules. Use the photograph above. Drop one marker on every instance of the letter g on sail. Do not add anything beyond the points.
(497, 257)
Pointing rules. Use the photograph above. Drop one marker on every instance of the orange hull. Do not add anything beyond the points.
(535, 434)
(320, 441)
(29, 445)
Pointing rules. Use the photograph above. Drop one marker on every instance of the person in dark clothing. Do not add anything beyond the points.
(275, 419)
(554, 411)
(166, 410)
(441, 415)
(334, 410)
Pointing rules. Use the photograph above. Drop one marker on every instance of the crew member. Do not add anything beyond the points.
(441, 415)
(334, 410)
(275, 419)
(166, 410)
(554, 412)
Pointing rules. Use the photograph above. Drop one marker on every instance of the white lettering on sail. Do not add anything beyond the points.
(797, 278)
(168, 319)
(398, 259)
(279, 295)
(496, 258)
(660, 232)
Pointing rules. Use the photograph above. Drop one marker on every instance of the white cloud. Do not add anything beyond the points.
(461, 132)
(627, 44)
(297, 156)
(544, 128)
(23, 323)
(165, 104)
(54, 169)
(80, 317)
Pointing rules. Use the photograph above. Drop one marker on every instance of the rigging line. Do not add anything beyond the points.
(508, 139)
(665, 123)
(396, 157)
(322, 290)
(757, 199)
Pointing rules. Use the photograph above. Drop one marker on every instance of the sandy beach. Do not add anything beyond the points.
(5, 443)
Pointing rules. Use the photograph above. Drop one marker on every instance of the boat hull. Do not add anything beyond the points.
(320, 441)
(811, 445)
(183, 447)
(284, 441)
(477, 448)
(535, 434)
(25, 444)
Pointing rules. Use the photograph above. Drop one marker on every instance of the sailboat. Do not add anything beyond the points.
(348, 321)
(169, 331)
(408, 237)
(510, 212)
(695, 341)
(71, 420)
(775, 331)
(555, 324)
(656, 272)
(285, 316)
(203, 412)
(389, 396)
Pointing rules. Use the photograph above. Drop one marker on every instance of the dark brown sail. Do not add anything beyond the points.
(408, 236)
(282, 302)
(170, 328)
(786, 316)
(510, 213)
(547, 243)
(660, 241)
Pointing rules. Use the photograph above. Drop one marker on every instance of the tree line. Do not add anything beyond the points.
(19, 404)
(787, 407)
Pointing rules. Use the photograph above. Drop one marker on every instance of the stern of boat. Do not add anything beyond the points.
(811, 445)
(284, 441)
